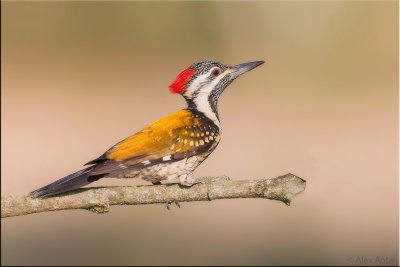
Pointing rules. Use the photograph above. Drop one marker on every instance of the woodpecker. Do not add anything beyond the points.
(172, 147)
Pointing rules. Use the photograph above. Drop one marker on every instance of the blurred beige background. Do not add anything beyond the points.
(77, 77)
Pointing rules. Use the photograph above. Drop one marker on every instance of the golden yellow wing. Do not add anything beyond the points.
(179, 135)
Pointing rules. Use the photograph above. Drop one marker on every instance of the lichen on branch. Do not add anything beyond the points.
(99, 199)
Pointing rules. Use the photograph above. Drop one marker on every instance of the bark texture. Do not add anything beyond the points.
(99, 199)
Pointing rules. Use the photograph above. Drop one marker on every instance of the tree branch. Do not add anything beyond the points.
(99, 199)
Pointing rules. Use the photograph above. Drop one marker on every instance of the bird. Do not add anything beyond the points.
(172, 147)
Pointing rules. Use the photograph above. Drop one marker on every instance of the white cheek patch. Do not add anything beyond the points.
(202, 102)
(196, 84)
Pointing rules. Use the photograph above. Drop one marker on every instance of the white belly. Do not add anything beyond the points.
(163, 171)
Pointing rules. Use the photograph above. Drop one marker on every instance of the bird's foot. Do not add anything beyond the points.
(169, 205)
(208, 180)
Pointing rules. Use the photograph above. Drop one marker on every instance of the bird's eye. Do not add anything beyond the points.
(215, 72)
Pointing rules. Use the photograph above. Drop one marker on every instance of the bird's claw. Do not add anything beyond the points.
(209, 180)
(176, 203)
(200, 181)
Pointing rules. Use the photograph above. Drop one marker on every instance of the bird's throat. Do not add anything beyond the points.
(207, 105)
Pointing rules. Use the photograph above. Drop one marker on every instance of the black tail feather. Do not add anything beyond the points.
(68, 183)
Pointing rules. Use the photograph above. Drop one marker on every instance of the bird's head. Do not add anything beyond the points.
(202, 83)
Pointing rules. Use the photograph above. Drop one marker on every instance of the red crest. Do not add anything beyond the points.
(179, 84)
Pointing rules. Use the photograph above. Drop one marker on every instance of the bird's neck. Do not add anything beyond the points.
(206, 104)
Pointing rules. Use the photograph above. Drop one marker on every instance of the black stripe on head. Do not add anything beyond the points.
(203, 67)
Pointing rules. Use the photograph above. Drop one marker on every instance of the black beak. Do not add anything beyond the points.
(238, 70)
